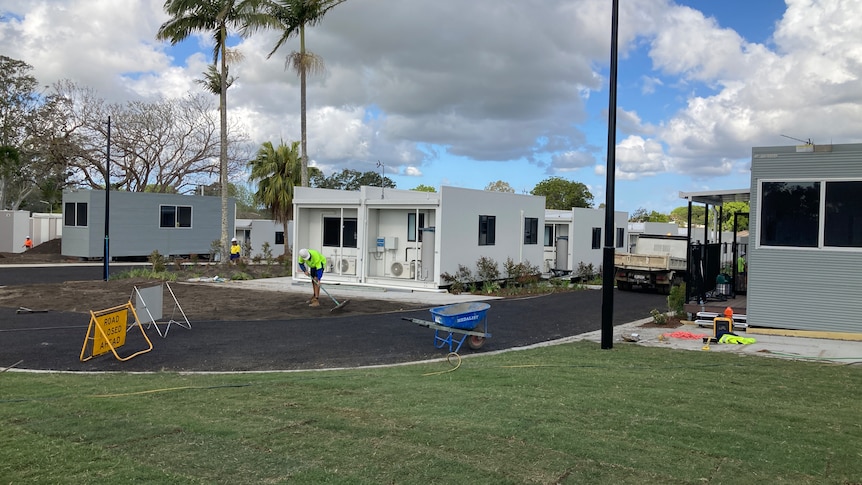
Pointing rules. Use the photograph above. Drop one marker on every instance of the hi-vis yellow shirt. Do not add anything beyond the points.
(316, 261)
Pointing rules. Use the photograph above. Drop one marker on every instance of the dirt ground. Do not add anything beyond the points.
(199, 301)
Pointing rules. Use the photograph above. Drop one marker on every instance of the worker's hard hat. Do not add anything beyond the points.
(233, 240)
(304, 254)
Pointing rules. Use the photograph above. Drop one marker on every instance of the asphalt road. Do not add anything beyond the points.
(53, 341)
(17, 274)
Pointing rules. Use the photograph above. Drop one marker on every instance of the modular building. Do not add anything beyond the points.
(574, 239)
(257, 233)
(805, 248)
(140, 223)
(391, 237)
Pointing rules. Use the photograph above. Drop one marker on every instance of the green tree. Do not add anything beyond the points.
(424, 188)
(563, 194)
(641, 215)
(500, 186)
(727, 212)
(17, 101)
(216, 17)
(353, 179)
(276, 170)
(291, 17)
(680, 215)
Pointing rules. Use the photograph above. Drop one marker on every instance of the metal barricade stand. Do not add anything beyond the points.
(150, 301)
(107, 332)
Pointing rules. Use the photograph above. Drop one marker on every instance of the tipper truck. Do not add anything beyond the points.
(658, 262)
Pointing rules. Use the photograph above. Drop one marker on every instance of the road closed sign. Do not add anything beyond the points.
(110, 332)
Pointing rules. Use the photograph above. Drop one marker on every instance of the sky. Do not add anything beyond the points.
(467, 93)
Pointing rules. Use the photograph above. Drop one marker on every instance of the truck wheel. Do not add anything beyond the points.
(624, 286)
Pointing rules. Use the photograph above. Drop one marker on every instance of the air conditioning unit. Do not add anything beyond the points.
(400, 269)
(347, 266)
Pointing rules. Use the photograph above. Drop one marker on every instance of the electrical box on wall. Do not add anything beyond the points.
(387, 243)
(390, 242)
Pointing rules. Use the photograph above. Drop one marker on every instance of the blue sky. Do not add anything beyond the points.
(468, 93)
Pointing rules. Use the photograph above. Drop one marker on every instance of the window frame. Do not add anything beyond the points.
(78, 211)
(487, 230)
(597, 238)
(346, 238)
(531, 231)
(822, 216)
(181, 216)
(414, 231)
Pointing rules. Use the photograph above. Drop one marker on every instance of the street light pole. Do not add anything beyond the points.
(107, 258)
(608, 255)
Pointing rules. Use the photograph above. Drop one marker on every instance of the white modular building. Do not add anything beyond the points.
(392, 237)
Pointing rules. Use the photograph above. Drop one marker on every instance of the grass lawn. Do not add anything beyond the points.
(563, 414)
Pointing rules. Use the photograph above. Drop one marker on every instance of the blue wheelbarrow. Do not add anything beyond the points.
(458, 323)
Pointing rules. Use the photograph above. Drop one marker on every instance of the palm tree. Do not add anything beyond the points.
(277, 172)
(291, 17)
(217, 17)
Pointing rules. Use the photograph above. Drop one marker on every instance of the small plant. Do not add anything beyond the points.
(241, 276)
(215, 250)
(460, 281)
(246, 248)
(267, 252)
(658, 317)
(256, 258)
(585, 271)
(560, 283)
(676, 300)
(487, 270)
(490, 287)
(158, 261)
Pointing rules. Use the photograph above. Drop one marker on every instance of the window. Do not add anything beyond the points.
(75, 214)
(843, 214)
(621, 236)
(487, 230)
(413, 232)
(549, 235)
(175, 216)
(531, 230)
(339, 232)
(789, 214)
(597, 238)
(279, 237)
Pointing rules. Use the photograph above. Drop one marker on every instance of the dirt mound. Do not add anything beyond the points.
(46, 252)
(51, 247)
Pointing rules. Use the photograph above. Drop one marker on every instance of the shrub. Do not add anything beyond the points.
(658, 317)
(158, 261)
(585, 271)
(267, 252)
(676, 300)
(521, 273)
(460, 281)
(215, 250)
(487, 270)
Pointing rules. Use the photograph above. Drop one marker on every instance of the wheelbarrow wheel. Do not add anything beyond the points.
(475, 342)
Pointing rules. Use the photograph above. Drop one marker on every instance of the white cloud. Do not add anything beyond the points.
(414, 83)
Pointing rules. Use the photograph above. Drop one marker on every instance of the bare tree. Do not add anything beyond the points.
(168, 145)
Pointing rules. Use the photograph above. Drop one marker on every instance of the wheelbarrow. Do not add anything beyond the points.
(457, 323)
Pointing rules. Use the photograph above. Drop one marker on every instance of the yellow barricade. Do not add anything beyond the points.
(107, 332)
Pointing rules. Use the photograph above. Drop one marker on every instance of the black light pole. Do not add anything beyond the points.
(107, 202)
(608, 254)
